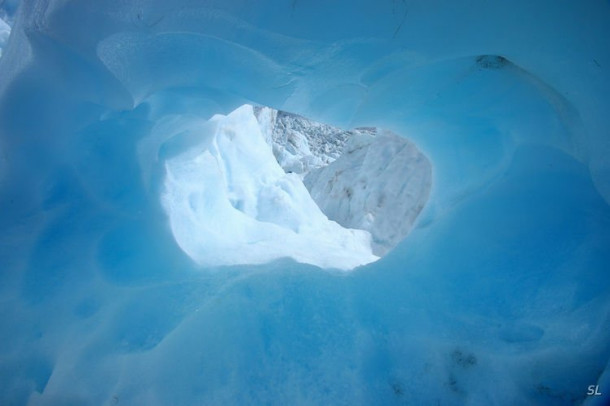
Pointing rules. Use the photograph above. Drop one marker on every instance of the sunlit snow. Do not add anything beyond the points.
(230, 202)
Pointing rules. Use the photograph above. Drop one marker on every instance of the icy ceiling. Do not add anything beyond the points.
(499, 295)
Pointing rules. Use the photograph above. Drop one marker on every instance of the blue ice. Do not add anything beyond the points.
(499, 296)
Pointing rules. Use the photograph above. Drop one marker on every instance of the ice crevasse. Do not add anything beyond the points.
(498, 295)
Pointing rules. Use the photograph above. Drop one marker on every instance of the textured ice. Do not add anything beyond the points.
(300, 145)
(365, 178)
(7, 12)
(498, 296)
(380, 184)
(229, 202)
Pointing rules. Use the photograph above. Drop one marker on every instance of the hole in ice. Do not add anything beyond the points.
(264, 184)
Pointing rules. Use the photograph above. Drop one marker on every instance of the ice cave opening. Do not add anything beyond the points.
(260, 184)
(121, 127)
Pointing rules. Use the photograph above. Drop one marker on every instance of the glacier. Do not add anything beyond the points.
(380, 183)
(365, 178)
(229, 202)
(498, 295)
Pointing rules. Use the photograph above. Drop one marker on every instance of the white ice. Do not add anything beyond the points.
(229, 203)
(365, 178)
(380, 183)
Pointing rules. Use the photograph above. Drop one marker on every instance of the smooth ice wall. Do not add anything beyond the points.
(499, 295)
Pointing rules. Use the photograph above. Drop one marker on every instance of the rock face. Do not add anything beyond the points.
(367, 178)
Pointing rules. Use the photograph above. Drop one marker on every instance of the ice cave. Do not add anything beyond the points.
(288, 202)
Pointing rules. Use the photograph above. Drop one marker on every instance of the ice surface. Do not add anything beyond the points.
(300, 145)
(365, 178)
(5, 31)
(498, 296)
(229, 202)
(380, 184)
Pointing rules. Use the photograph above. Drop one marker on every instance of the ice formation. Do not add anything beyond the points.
(301, 145)
(365, 178)
(498, 295)
(269, 185)
(380, 184)
(229, 202)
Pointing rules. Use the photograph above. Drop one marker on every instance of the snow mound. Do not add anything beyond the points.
(229, 203)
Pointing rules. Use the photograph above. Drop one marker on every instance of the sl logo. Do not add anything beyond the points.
(593, 390)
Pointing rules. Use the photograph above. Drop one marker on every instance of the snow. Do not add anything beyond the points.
(498, 295)
(380, 184)
(366, 178)
(229, 202)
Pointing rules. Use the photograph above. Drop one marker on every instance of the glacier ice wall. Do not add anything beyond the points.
(380, 183)
(230, 202)
(366, 178)
(298, 144)
(498, 296)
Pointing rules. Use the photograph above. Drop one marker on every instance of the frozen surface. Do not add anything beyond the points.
(498, 296)
(229, 202)
(5, 30)
(300, 145)
(365, 178)
(380, 184)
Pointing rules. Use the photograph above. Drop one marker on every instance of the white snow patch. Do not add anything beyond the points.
(229, 202)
